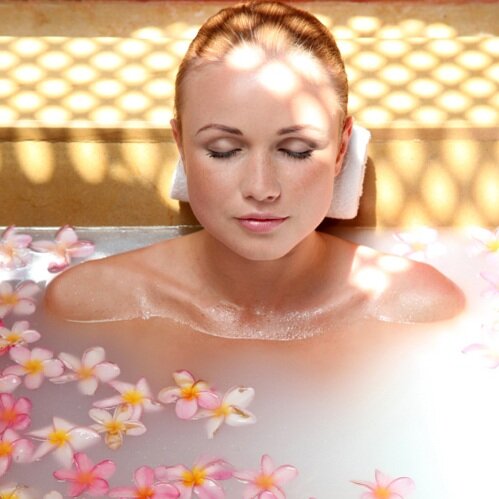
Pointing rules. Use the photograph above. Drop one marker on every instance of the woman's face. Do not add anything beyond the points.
(261, 147)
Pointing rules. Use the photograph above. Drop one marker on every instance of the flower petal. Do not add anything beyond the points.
(70, 361)
(169, 394)
(23, 451)
(105, 468)
(213, 424)
(82, 438)
(52, 368)
(144, 476)
(81, 249)
(9, 382)
(88, 386)
(209, 490)
(93, 356)
(239, 396)
(106, 371)
(238, 417)
(284, 474)
(183, 377)
(170, 473)
(185, 409)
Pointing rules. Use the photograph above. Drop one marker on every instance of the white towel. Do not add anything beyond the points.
(347, 185)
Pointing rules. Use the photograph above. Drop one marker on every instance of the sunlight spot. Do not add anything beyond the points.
(483, 115)
(307, 66)
(355, 102)
(371, 88)
(347, 47)
(412, 27)
(160, 61)
(440, 30)
(278, 78)
(180, 47)
(391, 194)
(27, 101)
(107, 115)
(425, 87)
(479, 87)
(148, 33)
(7, 60)
(55, 61)
(29, 47)
(486, 190)
(180, 29)
(371, 280)
(364, 24)
(81, 47)
(160, 116)
(134, 102)
(462, 158)
(343, 33)
(81, 74)
(393, 48)
(440, 193)
(393, 264)
(491, 45)
(7, 87)
(133, 74)
(160, 88)
(28, 73)
(420, 60)
(326, 20)
(54, 87)
(391, 32)
(8, 115)
(89, 160)
(245, 56)
(375, 115)
(133, 48)
(454, 101)
(445, 47)
(429, 114)
(36, 160)
(368, 61)
(493, 72)
(396, 74)
(80, 101)
(53, 115)
(400, 102)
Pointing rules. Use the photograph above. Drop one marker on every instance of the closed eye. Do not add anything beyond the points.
(222, 155)
(297, 154)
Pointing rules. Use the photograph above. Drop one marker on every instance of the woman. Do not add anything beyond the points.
(262, 127)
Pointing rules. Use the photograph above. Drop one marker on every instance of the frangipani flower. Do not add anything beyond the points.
(65, 247)
(9, 382)
(116, 426)
(87, 477)
(487, 240)
(15, 491)
(13, 448)
(14, 251)
(386, 488)
(18, 334)
(34, 365)
(19, 300)
(64, 439)
(138, 396)
(89, 370)
(146, 487)
(418, 244)
(14, 413)
(201, 479)
(189, 395)
(231, 410)
(267, 482)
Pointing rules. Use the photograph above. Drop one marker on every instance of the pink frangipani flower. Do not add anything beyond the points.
(201, 479)
(231, 409)
(146, 487)
(138, 396)
(18, 300)
(65, 247)
(84, 476)
(117, 425)
(13, 448)
(91, 369)
(189, 395)
(34, 365)
(386, 488)
(9, 382)
(418, 244)
(64, 439)
(14, 413)
(18, 334)
(267, 482)
(14, 253)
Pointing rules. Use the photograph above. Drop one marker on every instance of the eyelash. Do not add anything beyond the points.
(292, 154)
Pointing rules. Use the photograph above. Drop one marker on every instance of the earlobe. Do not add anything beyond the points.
(343, 146)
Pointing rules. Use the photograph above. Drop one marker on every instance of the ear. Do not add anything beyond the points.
(343, 145)
(177, 136)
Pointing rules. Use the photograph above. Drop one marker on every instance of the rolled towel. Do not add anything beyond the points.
(347, 185)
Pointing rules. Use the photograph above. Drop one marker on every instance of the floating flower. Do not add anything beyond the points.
(19, 334)
(267, 482)
(65, 247)
(231, 410)
(14, 413)
(201, 479)
(15, 491)
(146, 487)
(138, 396)
(9, 382)
(13, 448)
(64, 439)
(14, 251)
(418, 244)
(19, 300)
(34, 365)
(87, 477)
(116, 426)
(487, 241)
(88, 371)
(386, 488)
(189, 395)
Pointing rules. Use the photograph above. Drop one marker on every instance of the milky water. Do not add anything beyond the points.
(403, 399)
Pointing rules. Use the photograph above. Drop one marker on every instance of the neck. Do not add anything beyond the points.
(259, 286)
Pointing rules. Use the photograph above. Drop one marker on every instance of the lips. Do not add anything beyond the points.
(260, 223)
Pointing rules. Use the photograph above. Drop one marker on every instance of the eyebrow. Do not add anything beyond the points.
(236, 131)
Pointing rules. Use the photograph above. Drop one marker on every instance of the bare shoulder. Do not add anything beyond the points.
(103, 289)
(416, 292)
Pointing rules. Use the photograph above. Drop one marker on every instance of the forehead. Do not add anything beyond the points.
(248, 84)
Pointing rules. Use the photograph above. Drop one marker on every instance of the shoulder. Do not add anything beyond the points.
(416, 292)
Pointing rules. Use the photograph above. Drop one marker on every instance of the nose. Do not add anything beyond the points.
(260, 181)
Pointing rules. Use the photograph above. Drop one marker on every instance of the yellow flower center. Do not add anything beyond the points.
(114, 427)
(132, 397)
(33, 366)
(10, 299)
(223, 410)
(194, 477)
(9, 495)
(13, 338)
(493, 245)
(85, 478)
(382, 493)
(8, 415)
(144, 493)
(417, 246)
(189, 392)
(58, 438)
(85, 372)
(5, 449)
